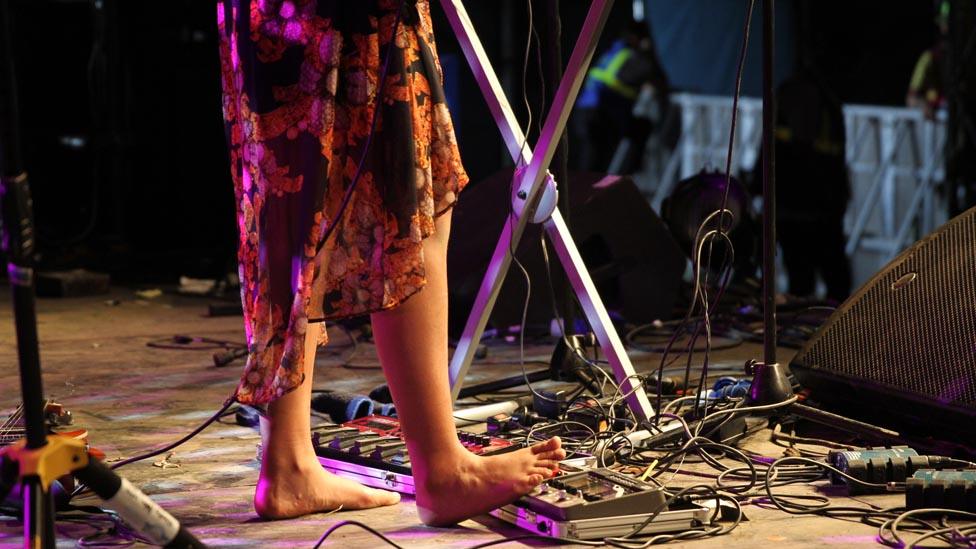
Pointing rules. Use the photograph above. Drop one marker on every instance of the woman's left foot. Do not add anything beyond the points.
(294, 490)
(452, 490)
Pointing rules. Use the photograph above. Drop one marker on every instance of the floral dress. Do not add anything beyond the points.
(300, 81)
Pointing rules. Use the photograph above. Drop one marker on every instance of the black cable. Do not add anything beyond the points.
(631, 339)
(540, 73)
(627, 542)
(892, 526)
(699, 446)
(227, 404)
(539, 537)
(792, 508)
(545, 255)
(721, 232)
(369, 529)
(388, 541)
(512, 216)
(592, 365)
(776, 475)
(213, 419)
(182, 342)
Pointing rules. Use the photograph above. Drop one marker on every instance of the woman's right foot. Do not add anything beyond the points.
(293, 490)
(465, 485)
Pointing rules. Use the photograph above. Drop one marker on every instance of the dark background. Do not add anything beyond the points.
(123, 137)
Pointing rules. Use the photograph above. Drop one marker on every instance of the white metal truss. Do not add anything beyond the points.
(534, 201)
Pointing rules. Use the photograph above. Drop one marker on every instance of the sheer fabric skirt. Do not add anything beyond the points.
(300, 89)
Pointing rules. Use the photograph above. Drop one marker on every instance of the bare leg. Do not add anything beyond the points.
(452, 483)
(292, 483)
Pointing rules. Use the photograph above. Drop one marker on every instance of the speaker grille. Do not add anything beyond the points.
(911, 331)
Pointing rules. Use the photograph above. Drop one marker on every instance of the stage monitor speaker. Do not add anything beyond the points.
(901, 351)
(635, 264)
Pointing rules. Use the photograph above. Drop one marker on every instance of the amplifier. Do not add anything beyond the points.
(901, 352)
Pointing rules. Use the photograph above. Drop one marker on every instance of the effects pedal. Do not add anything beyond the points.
(593, 494)
(598, 503)
(877, 466)
(929, 488)
(382, 425)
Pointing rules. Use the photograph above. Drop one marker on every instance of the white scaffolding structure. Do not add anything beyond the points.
(894, 154)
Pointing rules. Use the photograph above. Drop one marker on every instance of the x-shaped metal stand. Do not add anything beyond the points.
(534, 202)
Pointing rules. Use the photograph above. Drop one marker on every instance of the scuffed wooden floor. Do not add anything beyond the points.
(132, 397)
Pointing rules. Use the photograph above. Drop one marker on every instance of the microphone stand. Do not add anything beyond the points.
(40, 459)
(771, 380)
(770, 383)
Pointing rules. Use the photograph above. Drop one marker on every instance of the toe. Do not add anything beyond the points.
(383, 497)
(543, 472)
(551, 445)
(555, 455)
(547, 464)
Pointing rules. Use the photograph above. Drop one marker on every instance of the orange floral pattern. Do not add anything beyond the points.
(300, 81)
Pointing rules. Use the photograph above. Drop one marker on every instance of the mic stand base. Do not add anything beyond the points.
(771, 384)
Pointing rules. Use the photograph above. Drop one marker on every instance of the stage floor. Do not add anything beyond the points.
(133, 397)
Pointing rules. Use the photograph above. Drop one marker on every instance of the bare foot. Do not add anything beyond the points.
(464, 485)
(292, 491)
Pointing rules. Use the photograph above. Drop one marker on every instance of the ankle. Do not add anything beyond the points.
(289, 461)
(441, 466)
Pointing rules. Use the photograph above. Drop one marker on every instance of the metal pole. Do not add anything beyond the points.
(552, 63)
(769, 189)
(18, 245)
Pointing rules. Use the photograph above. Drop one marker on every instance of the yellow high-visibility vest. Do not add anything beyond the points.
(608, 75)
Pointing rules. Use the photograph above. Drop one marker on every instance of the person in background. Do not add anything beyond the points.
(812, 185)
(627, 73)
(926, 90)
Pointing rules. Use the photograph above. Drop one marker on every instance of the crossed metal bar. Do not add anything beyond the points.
(532, 183)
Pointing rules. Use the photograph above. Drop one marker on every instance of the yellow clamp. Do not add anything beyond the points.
(59, 457)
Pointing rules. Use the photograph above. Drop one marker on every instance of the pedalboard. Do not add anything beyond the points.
(581, 502)
(371, 451)
(949, 489)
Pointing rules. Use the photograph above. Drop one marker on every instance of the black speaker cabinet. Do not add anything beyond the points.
(902, 350)
(629, 253)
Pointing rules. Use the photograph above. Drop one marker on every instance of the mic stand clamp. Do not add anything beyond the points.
(61, 456)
